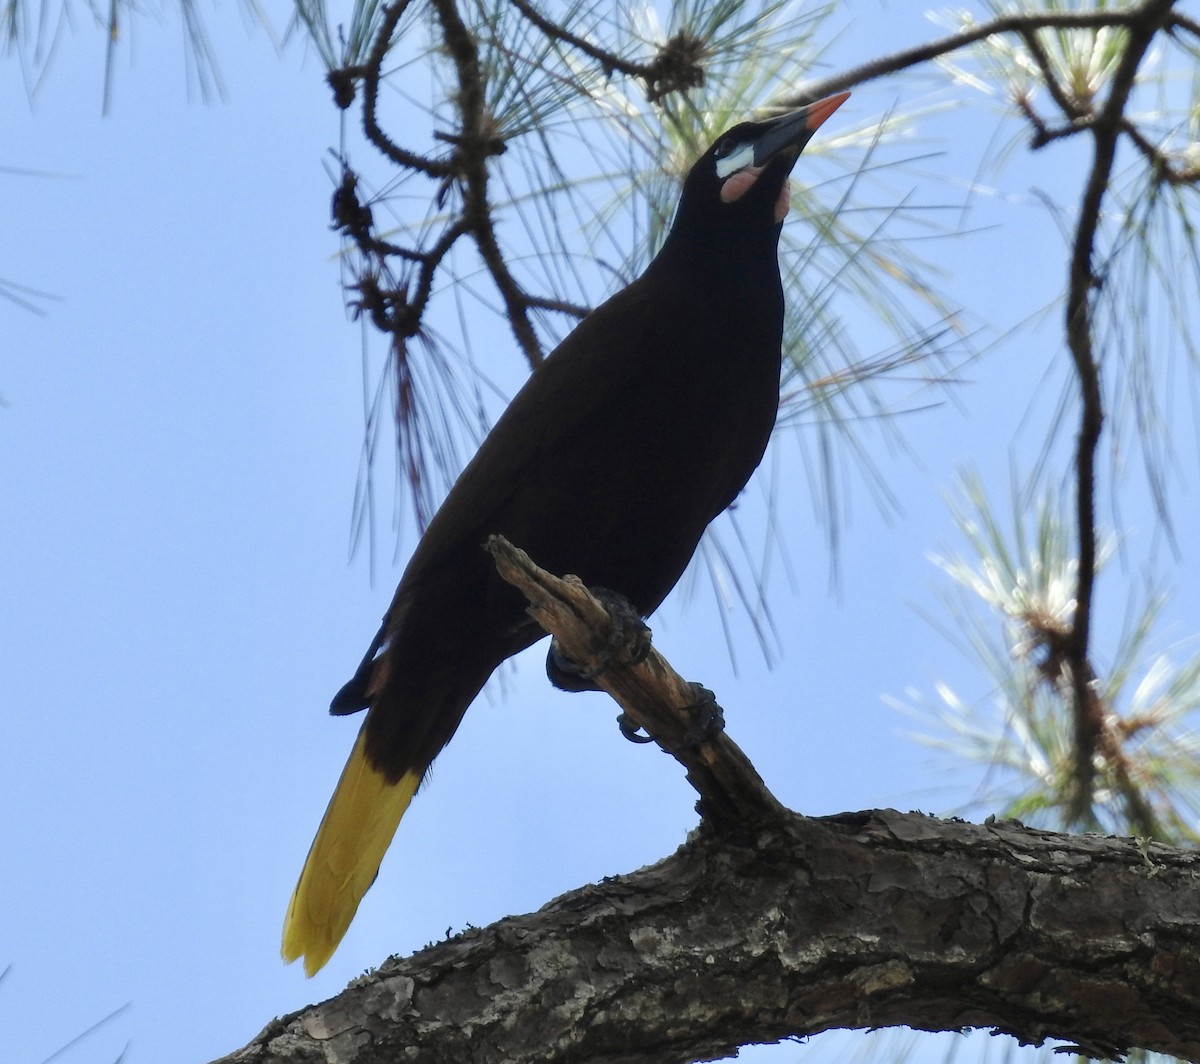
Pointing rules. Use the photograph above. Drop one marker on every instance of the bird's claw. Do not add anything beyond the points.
(707, 721)
(632, 730)
(631, 635)
(629, 646)
(566, 673)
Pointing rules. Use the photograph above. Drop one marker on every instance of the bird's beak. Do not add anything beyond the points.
(794, 129)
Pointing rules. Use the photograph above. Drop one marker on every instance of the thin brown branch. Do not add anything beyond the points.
(1160, 162)
(609, 62)
(466, 166)
(677, 67)
(392, 309)
(371, 72)
(477, 144)
(432, 259)
(1069, 105)
(1143, 24)
(1186, 23)
(1122, 770)
(563, 306)
(923, 53)
(682, 718)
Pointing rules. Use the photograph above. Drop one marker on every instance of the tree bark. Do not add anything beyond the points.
(862, 920)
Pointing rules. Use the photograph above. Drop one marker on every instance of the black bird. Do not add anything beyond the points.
(640, 428)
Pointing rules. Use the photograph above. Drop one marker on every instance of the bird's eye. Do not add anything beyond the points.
(724, 147)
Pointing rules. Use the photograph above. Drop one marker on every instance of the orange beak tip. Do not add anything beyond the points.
(822, 109)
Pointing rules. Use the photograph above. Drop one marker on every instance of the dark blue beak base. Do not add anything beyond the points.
(794, 129)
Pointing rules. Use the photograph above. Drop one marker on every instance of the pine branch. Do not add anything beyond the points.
(1145, 23)
(1022, 24)
(863, 920)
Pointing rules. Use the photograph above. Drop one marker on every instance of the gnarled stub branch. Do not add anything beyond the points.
(651, 693)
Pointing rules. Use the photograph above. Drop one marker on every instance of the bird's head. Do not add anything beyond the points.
(743, 177)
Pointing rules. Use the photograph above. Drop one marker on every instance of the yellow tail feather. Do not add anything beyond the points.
(353, 837)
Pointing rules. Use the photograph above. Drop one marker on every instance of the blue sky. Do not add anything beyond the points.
(178, 452)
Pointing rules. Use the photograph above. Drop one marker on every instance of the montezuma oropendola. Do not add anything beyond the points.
(642, 426)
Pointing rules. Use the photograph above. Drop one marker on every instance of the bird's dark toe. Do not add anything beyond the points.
(630, 645)
(630, 633)
(565, 673)
(632, 730)
(707, 719)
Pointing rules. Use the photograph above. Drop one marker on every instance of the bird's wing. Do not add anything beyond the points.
(582, 378)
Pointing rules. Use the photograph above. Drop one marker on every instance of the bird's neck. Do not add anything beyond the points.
(718, 266)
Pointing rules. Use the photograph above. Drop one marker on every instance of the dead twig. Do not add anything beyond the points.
(650, 693)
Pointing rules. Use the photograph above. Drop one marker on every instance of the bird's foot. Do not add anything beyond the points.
(707, 721)
(566, 673)
(632, 730)
(630, 645)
